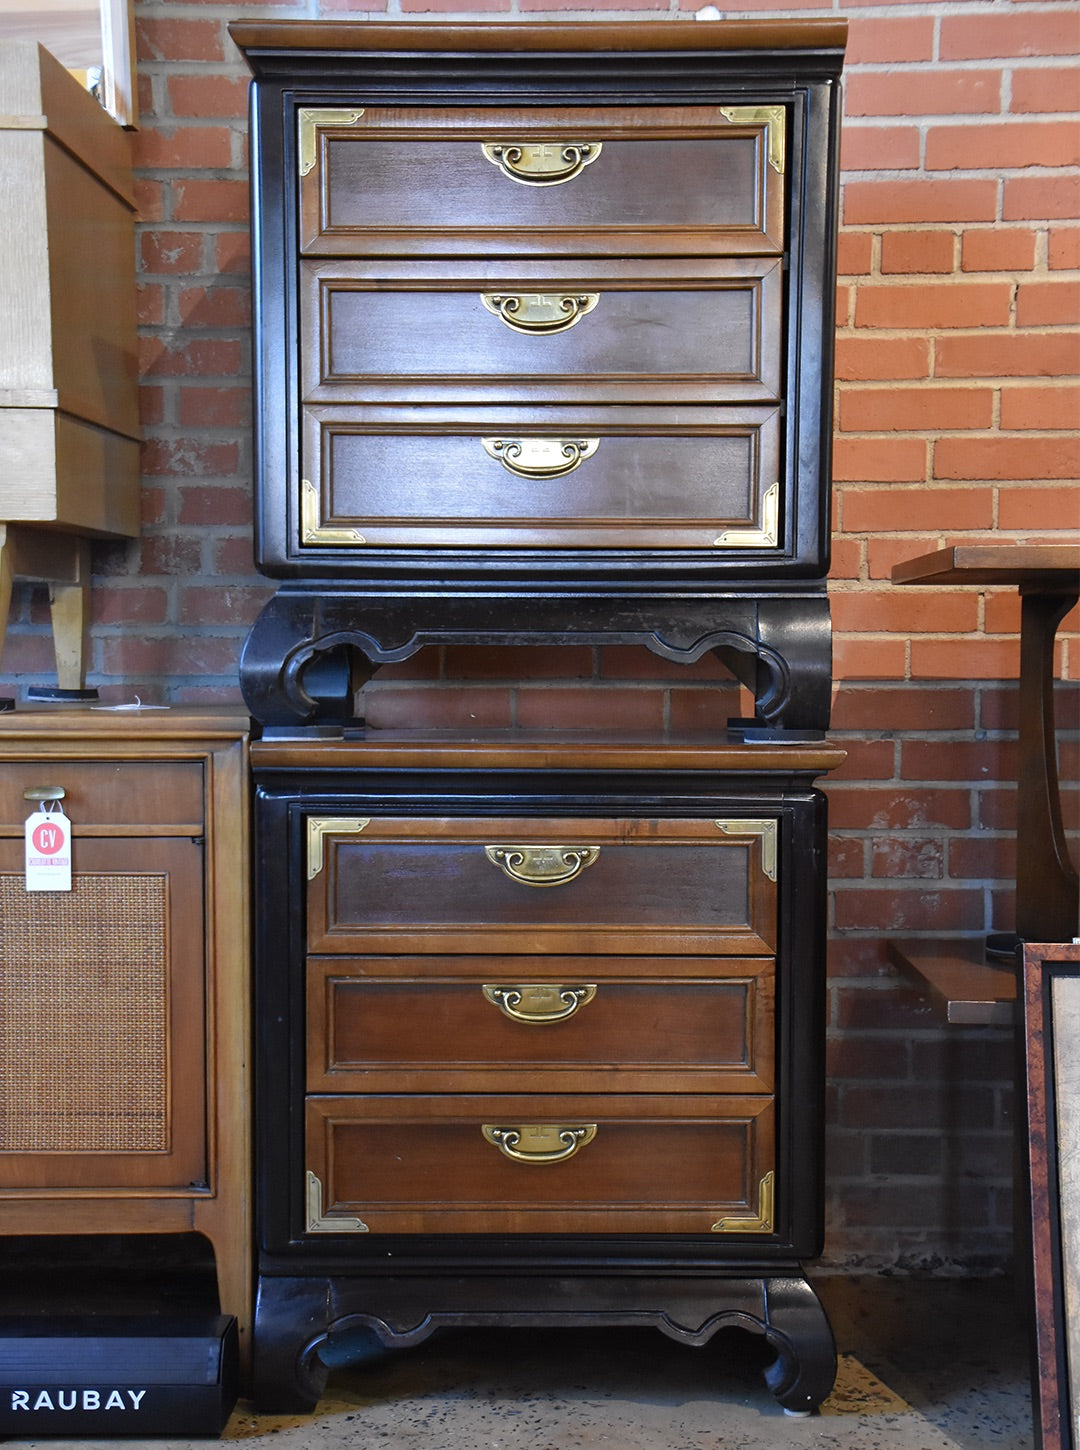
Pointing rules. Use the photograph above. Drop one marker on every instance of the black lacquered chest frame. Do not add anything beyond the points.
(342, 610)
(395, 1289)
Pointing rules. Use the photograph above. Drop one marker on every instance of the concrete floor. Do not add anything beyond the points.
(926, 1364)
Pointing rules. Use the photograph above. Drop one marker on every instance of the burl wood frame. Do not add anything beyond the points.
(1052, 1126)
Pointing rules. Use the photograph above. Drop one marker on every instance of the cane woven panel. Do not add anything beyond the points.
(84, 1016)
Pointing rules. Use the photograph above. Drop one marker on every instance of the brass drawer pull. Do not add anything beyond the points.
(539, 1142)
(539, 312)
(542, 865)
(538, 1003)
(541, 163)
(540, 457)
(44, 793)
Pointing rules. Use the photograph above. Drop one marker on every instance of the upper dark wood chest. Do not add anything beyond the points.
(543, 314)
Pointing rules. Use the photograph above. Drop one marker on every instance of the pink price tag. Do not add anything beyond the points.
(48, 851)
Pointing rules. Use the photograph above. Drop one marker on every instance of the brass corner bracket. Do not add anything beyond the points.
(316, 1223)
(318, 828)
(312, 529)
(774, 121)
(765, 535)
(766, 830)
(762, 1223)
(309, 120)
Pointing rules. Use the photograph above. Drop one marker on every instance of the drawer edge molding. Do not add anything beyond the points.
(317, 1223)
(766, 830)
(762, 1223)
(319, 827)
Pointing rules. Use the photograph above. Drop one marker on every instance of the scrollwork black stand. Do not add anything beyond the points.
(316, 642)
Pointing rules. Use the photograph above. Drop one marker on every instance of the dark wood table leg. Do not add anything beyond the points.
(1047, 889)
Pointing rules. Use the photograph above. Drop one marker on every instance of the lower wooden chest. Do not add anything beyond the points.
(547, 1008)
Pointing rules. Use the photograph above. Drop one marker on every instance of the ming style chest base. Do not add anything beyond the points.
(540, 1033)
(316, 642)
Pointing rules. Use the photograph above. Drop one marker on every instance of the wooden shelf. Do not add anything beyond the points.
(973, 991)
(994, 564)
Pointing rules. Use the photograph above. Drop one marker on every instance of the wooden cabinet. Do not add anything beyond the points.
(124, 1002)
(544, 320)
(540, 1034)
(69, 410)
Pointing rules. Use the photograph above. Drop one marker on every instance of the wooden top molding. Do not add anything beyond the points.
(540, 750)
(51, 726)
(1041, 565)
(255, 36)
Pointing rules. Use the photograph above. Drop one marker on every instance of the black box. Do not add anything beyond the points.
(107, 1375)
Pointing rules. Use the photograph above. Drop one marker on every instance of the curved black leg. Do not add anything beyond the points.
(291, 1321)
(800, 631)
(786, 662)
(356, 1320)
(293, 670)
(797, 1327)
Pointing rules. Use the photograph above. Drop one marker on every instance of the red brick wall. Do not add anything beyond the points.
(957, 405)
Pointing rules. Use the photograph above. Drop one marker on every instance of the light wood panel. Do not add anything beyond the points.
(164, 793)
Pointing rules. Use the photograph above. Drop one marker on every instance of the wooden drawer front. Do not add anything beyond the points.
(671, 331)
(102, 1021)
(660, 179)
(654, 887)
(654, 1164)
(542, 479)
(493, 1024)
(105, 795)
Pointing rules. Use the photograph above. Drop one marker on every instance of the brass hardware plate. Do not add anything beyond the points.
(539, 1143)
(541, 163)
(768, 833)
(774, 120)
(540, 457)
(312, 529)
(309, 121)
(541, 312)
(317, 1224)
(763, 536)
(542, 865)
(317, 831)
(538, 1003)
(762, 1223)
